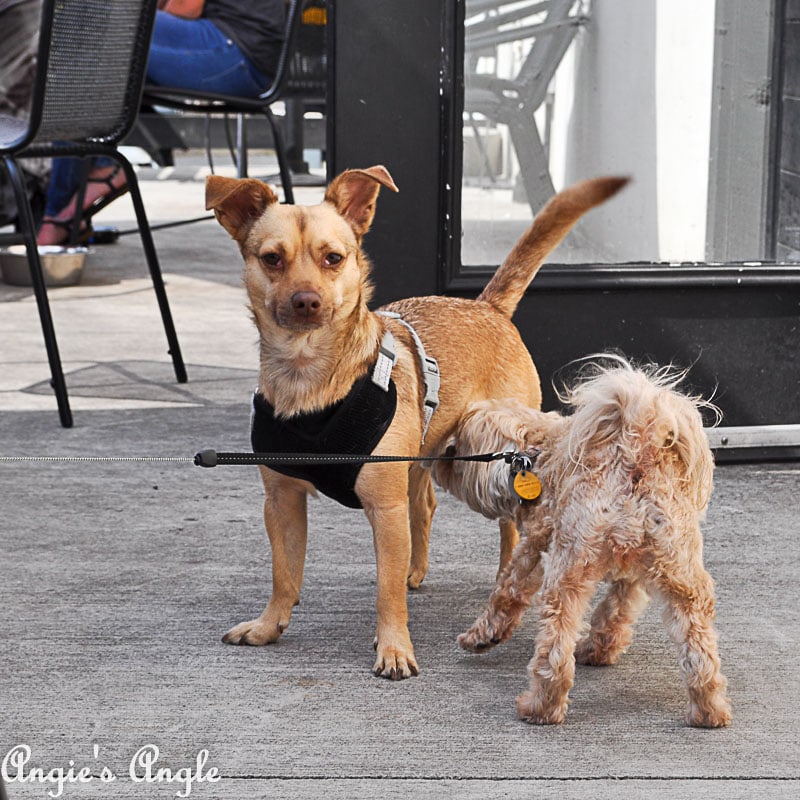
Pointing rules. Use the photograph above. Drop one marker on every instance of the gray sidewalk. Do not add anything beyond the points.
(119, 579)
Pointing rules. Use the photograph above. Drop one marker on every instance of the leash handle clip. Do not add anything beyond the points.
(206, 458)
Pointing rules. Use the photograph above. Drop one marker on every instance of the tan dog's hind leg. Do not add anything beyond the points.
(509, 539)
(612, 624)
(422, 505)
(689, 618)
(286, 522)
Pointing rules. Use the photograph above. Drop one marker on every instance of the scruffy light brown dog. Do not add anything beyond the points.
(307, 279)
(625, 482)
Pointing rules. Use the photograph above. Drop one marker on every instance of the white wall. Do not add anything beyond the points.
(633, 96)
(675, 94)
(612, 127)
(684, 69)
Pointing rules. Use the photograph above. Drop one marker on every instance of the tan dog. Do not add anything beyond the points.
(625, 481)
(308, 284)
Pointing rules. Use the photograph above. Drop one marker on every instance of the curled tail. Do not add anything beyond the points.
(551, 225)
(641, 414)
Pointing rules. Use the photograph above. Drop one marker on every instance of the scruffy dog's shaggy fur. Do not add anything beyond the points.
(626, 480)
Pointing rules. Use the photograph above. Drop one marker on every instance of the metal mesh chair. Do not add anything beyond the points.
(91, 63)
(301, 76)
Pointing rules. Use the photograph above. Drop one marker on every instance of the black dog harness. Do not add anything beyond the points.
(352, 426)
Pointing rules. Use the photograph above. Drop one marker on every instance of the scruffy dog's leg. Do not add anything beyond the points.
(568, 587)
(612, 623)
(689, 618)
(516, 586)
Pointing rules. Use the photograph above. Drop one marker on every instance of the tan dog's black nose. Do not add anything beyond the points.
(306, 304)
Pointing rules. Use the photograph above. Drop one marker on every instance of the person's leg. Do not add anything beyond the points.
(65, 178)
(105, 177)
(195, 54)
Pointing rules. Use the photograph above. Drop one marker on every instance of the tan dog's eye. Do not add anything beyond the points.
(333, 260)
(271, 260)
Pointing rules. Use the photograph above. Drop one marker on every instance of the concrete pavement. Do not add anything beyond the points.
(119, 579)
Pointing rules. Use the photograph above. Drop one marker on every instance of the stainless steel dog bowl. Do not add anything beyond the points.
(62, 266)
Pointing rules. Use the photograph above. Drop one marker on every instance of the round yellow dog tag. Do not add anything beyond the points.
(527, 485)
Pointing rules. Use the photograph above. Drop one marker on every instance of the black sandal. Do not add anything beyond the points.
(85, 231)
(101, 202)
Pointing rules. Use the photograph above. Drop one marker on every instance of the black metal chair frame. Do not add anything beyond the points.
(213, 103)
(27, 144)
(513, 102)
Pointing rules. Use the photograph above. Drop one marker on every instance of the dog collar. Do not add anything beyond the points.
(522, 480)
(352, 426)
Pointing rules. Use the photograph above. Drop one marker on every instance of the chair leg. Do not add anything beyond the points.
(28, 230)
(155, 268)
(241, 145)
(482, 152)
(283, 160)
(532, 159)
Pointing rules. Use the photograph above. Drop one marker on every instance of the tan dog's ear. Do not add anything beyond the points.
(354, 193)
(237, 202)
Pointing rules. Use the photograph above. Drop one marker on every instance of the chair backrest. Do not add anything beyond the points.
(294, 11)
(292, 74)
(95, 54)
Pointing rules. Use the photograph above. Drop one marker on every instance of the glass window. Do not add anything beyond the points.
(674, 93)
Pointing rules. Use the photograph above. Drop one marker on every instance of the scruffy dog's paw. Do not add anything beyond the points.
(254, 632)
(713, 714)
(475, 641)
(395, 660)
(531, 709)
(485, 633)
(594, 654)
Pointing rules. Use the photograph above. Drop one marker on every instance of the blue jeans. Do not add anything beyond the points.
(196, 54)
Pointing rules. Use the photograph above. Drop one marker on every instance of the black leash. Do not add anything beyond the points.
(211, 458)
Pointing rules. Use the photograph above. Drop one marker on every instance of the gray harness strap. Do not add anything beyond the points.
(430, 372)
(387, 358)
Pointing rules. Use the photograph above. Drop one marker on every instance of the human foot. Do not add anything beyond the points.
(57, 231)
(103, 185)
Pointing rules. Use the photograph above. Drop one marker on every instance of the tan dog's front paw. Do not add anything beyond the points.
(395, 661)
(532, 709)
(255, 632)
